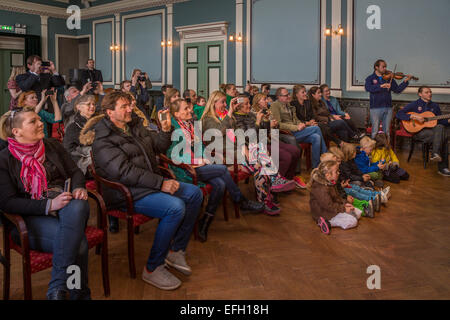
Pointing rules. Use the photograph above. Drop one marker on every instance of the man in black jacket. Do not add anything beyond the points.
(90, 74)
(39, 78)
(125, 151)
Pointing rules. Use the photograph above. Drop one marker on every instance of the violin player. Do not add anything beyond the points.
(437, 135)
(380, 96)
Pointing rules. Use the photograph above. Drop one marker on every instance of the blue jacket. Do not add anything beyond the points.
(420, 106)
(362, 160)
(381, 97)
(336, 106)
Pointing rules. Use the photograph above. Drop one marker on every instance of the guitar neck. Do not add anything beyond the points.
(444, 116)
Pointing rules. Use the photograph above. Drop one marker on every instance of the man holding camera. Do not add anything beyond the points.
(41, 75)
(140, 83)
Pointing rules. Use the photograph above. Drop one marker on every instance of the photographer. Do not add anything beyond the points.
(41, 75)
(91, 74)
(140, 83)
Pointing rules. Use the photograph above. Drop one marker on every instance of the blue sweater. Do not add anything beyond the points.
(381, 97)
(362, 160)
(420, 106)
(335, 104)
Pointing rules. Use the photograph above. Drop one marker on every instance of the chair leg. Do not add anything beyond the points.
(136, 230)
(411, 150)
(131, 263)
(105, 266)
(225, 206)
(28, 295)
(424, 155)
(7, 268)
(308, 158)
(236, 211)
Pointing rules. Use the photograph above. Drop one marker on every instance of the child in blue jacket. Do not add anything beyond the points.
(362, 160)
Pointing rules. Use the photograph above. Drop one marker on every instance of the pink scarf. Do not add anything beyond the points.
(32, 174)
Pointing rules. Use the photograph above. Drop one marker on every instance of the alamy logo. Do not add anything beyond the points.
(74, 21)
(374, 281)
(74, 280)
(374, 21)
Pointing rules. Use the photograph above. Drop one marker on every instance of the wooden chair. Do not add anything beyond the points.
(34, 261)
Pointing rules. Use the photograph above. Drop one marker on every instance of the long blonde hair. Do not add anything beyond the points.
(256, 99)
(15, 71)
(210, 110)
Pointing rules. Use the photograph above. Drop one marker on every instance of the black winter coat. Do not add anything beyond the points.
(130, 160)
(29, 81)
(304, 112)
(349, 170)
(14, 198)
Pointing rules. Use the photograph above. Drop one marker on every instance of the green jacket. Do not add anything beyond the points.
(180, 173)
(285, 116)
(198, 111)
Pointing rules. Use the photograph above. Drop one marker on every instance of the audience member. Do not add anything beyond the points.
(13, 87)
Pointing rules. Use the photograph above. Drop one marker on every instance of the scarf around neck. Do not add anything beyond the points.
(32, 173)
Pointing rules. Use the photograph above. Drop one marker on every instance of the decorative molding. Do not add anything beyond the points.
(44, 36)
(57, 36)
(162, 12)
(117, 53)
(335, 47)
(205, 32)
(86, 13)
(110, 20)
(349, 72)
(323, 44)
(239, 44)
(170, 48)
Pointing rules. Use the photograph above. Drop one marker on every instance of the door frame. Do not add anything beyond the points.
(58, 36)
(206, 32)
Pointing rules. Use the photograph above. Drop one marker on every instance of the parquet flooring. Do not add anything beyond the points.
(287, 257)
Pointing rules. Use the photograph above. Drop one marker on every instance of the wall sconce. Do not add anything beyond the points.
(168, 43)
(114, 48)
(237, 38)
(339, 32)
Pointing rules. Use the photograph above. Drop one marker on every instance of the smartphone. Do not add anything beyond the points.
(67, 185)
(240, 100)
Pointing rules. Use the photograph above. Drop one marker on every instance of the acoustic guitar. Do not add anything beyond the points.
(414, 126)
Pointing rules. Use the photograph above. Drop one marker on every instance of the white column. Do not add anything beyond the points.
(169, 38)
(44, 37)
(239, 44)
(336, 49)
(117, 79)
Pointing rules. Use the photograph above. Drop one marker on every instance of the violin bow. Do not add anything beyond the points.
(393, 74)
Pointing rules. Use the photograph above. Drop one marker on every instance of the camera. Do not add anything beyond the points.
(49, 92)
(45, 64)
(142, 77)
(264, 111)
(94, 85)
(240, 100)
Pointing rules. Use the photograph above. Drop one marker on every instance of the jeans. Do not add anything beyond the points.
(177, 214)
(438, 137)
(383, 115)
(342, 129)
(219, 178)
(312, 135)
(360, 193)
(65, 238)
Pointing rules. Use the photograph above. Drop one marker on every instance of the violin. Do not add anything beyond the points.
(389, 75)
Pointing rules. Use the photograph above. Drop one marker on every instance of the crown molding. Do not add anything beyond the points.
(86, 13)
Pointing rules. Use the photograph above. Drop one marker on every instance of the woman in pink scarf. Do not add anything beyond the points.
(32, 175)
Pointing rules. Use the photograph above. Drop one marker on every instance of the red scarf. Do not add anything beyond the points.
(32, 174)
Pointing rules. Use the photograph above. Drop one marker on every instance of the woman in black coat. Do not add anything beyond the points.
(33, 171)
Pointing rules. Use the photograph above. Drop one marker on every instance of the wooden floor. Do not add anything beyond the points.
(287, 257)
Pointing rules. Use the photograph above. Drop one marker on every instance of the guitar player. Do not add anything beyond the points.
(437, 135)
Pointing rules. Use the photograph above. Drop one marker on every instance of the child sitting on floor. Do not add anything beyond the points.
(352, 175)
(362, 160)
(366, 206)
(328, 209)
(383, 151)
